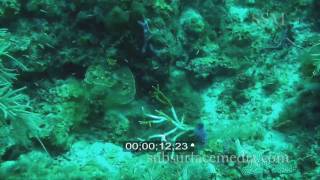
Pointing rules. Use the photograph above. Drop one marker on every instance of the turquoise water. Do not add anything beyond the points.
(159, 89)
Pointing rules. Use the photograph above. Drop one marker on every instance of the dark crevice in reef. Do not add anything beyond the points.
(77, 71)
(52, 149)
(14, 152)
(30, 79)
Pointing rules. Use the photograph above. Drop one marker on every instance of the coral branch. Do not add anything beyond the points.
(178, 129)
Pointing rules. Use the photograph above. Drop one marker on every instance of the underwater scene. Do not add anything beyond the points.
(159, 89)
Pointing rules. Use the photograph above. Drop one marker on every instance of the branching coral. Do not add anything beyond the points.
(177, 131)
(6, 75)
(4, 46)
(14, 105)
(12, 102)
(179, 127)
(316, 62)
(311, 62)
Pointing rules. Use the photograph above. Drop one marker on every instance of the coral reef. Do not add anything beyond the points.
(237, 80)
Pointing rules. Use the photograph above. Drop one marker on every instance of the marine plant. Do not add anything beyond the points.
(15, 108)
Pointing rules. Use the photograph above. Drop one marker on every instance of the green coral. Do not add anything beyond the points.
(116, 124)
(68, 109)
(192, 22)
(15, 107)
(311, 62)
(48, 168)
(162, 8)
(98, 79)
(9, 8)
(117, 86)
(116, 17)
(12, 102)
(49, 8)
(203, 67)
(186, 100)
